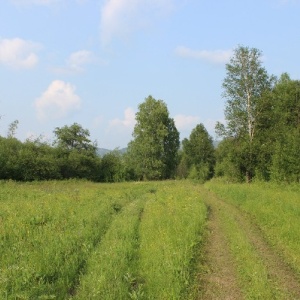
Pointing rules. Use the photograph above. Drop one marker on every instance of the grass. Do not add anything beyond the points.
(274, 208)
(48, 231)
(252, 272)
(82, 240)
(172, 226)
(112, 266)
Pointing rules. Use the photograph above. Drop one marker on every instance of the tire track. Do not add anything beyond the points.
(217, 277)
(280, 275)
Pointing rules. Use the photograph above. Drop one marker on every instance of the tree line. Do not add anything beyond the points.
(260, 139)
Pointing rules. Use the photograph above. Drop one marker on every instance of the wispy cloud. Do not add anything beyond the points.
(216, 56)
(57, 101)
(76, 62)
(120, 17)
(127, 123)
(184, 122)
(17, 53)
(119, 130)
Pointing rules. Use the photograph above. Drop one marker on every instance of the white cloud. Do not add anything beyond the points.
(216, 56)
(57, 101)
(78, 59)
(127, 123)
(184, 122)
(18, 53)
(119, 131)
(120, 17)
(76, 62)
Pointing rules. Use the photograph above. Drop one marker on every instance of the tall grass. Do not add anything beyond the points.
(111, 271)
(275, 209)
(172, 225)
(47, 233)
(252, 272)
(82, 240)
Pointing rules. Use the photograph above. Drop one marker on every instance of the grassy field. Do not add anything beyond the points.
(274, 208)
(81, 240)
(149, 240)
(262, 224)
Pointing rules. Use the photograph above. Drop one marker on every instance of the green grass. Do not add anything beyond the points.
(48, 231)
(173, 223)
(274, 208)
(82, 240)
(252, 272)
(111, 271)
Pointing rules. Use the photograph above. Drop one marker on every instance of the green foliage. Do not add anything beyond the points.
(263, 122)
(245, 84)
(286, 158)
(182, 170)
(112, 168)
(77, 155)
(199, 153)
(153, 152)
(12, 129)
(73, 137)
(37, 160)
(9, 158)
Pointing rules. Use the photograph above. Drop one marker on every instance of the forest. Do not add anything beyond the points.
(260, 140)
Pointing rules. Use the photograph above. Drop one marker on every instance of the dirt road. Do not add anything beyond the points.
(220, 274)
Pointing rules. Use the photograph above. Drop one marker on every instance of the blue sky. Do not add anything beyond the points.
(94, 61)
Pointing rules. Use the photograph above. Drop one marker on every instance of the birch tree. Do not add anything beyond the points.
(245, 82)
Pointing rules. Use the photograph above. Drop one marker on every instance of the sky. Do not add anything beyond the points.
(94, 61)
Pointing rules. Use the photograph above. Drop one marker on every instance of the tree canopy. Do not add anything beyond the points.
(244, 86)
(154, 149)
(199, 153)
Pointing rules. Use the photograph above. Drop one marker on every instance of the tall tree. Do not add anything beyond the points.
(154, 149)
(244, 85)
(199, 153)
(285, 130)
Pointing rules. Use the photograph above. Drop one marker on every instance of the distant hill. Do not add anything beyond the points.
(103, 151)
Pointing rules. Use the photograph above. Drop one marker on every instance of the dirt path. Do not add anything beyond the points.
(219, 279)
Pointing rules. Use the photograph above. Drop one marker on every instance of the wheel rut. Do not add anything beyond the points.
(219, 276)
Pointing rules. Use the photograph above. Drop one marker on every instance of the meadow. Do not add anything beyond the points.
(274, 208)
(82, 240)
(262, 221)
(141, 240)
